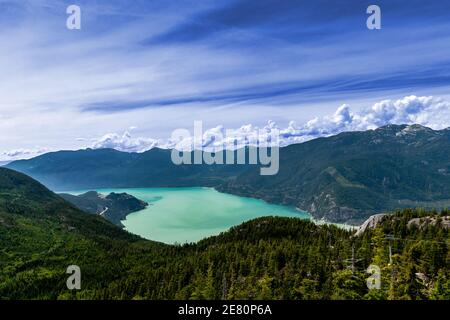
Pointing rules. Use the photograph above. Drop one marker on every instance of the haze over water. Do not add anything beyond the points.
(179, 215)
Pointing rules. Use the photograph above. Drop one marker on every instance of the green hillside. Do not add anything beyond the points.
(267, 258)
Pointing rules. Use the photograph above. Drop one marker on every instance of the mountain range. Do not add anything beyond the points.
(342, 178)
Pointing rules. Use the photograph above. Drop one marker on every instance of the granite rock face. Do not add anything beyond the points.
(371, 223)
(425, 221)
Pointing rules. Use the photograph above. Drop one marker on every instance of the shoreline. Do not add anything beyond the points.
(318, 222)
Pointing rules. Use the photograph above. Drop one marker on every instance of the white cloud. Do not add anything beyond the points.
(23, 153)
(124, 142)
(427, 111)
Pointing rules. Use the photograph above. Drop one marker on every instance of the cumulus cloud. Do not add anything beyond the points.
(427, 111)
(124, 142)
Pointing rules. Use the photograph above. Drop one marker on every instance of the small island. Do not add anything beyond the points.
(113, 207)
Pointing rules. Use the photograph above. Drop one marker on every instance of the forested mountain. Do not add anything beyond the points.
(353, 175)
(114, 206)
(267, 258)
(344, 178)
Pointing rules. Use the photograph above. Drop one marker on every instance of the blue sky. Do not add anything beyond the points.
(159, 65)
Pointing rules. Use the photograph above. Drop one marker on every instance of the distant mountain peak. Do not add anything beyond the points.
(391, 126)
(417, 127)
(401, 127)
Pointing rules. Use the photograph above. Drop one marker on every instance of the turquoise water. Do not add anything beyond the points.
(179, 215)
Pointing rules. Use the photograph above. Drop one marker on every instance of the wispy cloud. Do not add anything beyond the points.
(162, 64)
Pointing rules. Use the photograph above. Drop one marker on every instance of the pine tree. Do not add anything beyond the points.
(264, 287)
(209, 291)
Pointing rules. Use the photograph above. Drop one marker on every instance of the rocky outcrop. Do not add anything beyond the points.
(423, 222)
(371, 223)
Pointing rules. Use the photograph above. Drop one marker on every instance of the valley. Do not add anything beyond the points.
(343, 178)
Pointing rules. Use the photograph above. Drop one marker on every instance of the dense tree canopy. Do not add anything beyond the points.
(267, 258)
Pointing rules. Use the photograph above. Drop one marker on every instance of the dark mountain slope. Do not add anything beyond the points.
(21, 195)
(344, 178)
(41, 235)
(114, 206)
